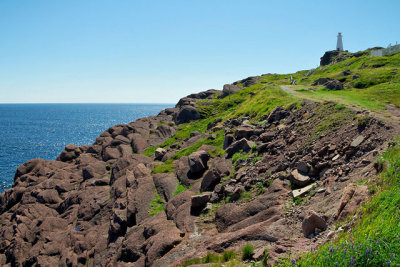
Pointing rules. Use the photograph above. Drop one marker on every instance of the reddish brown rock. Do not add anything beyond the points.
(352, 197)
(139, 143)
(311, 222)
(198, 161)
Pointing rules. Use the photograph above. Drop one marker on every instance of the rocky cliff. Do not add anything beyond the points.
(163, 189)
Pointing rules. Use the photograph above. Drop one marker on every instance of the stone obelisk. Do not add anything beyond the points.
(339, 45)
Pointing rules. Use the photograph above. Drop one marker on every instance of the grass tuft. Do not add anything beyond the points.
(156, 205)
(247, 252)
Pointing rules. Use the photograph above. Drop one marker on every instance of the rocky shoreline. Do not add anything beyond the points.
(90, 207)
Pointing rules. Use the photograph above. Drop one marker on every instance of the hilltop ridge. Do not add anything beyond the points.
(250, 165)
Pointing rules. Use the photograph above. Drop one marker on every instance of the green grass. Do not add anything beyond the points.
(156, 205)
(168, 165)
(227, 257)
(264, 100)
(149, 151)
(246, 196)
(377, 86)
(247, 252)
(374, 239)
(244, 156)
(180, 188)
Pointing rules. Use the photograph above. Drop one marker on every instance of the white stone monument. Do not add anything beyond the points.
(339, 45)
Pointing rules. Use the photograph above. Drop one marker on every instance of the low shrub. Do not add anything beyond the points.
(247, 252)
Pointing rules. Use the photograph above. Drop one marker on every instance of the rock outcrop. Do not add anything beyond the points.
(237, 181)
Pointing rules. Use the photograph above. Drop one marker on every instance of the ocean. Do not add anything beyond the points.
(29, 131)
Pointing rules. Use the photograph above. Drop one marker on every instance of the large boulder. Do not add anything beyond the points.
(139, 143)
(277, 114)
(246, 132)
(186, 114)
(205, 94)
(299, 178)
(210, 180)
(166, 184)
(178, 210)
(267, 136)
(220, 168)
(199, 202)
(334, 85)
(159, 153)
(198, 161)
(329, 83)
(165, 131)
(229, 89)
(241, 145)
(228, 141)
(69, 153)
(311, 222)
(249, 81)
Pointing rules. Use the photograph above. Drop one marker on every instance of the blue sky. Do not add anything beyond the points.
(159, 51)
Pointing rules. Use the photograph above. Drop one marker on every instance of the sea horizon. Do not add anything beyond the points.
(41, 130)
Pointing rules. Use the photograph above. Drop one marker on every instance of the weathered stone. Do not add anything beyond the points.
(303, 167)
(139, 143)
(165, 184)
(267, 136)
(198, 161)
(356, 142)
(228, 140)
(277, 114)
(110, 153)
(199, 202)
(299, 179)
(236, 192)
(311, 222)
(120, 139)
(243, 144)
(210, 179)
(246, 132)
(302, 191)
(159, 153)
(259, 254)
(165, 131)
(334, 85)
(228, 90)
(186, 114)
(352, 197)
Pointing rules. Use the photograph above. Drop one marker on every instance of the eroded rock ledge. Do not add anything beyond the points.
(90, 207)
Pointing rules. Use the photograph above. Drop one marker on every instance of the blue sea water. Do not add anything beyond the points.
(30, 131)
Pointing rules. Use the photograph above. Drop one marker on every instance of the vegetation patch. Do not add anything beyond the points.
(247, 252)
(228, 257)
(168, 165)
(156, 205)
(180, 188)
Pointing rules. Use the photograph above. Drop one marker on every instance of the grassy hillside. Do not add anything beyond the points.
(378, 83)
(369, 83)
(253, 101)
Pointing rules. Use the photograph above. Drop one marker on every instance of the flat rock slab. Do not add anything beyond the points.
(357, 141)
(302, 191)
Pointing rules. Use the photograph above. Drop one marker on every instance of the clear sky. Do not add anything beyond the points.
(157, 51)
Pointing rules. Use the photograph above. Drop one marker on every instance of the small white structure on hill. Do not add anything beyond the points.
(390, 50)
(339, 45)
